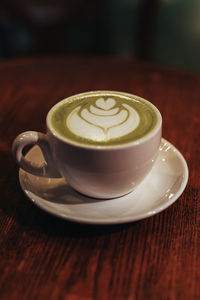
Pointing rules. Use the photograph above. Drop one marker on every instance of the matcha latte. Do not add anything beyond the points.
(103, 118)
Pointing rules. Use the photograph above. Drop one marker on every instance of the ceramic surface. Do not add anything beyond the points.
(162, 187)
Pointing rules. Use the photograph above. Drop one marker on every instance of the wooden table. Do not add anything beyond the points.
(43, 257)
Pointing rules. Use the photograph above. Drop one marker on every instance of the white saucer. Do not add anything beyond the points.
(160, 189)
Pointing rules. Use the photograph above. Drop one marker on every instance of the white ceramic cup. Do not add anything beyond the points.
(96, 171)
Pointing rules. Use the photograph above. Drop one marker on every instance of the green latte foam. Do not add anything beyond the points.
(146, 113)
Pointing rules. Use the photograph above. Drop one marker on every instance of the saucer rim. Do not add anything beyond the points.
(116, 220)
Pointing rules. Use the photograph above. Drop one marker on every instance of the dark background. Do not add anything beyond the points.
(165, 32)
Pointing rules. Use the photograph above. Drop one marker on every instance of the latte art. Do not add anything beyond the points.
(103, 120)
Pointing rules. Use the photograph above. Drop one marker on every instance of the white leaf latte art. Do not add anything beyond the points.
(103, 121)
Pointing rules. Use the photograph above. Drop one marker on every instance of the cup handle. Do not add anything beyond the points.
(47, 169)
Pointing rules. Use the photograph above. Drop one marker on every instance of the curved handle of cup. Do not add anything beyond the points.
(47, 169)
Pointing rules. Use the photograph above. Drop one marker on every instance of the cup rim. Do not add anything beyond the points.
(104, 147)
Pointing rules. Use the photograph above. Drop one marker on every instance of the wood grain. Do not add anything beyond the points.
(43, 257)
